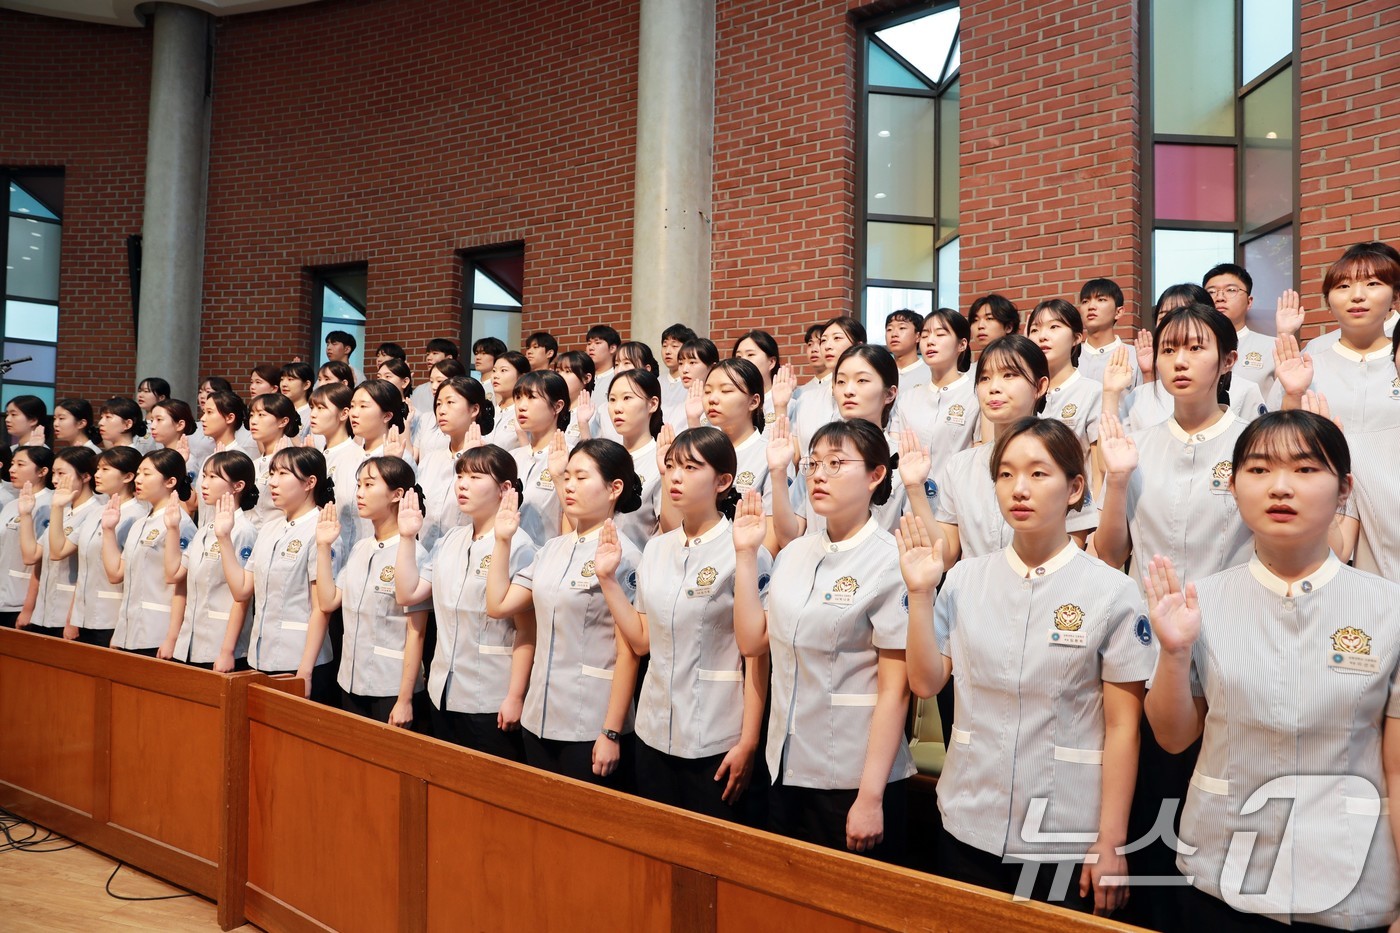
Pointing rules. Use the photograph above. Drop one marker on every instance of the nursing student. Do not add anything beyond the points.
(1051, 648)
(121, 423)
(1058, 330)
(700, 710)
(834, 623)
(330, 422)
(1287, 668)
(381, 661)
(760, 349)
(634, 411)
(71, 504)
(817, 406)
(212, 632)
(222, 416)
(22, 521)
(505, 373)
(541, 410)
(481, 665)
(464, 416)
(273, 422)
(578, 710)
(96, 601)
(942, 412)
(75, 426)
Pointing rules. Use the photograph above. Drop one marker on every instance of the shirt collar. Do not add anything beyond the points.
(1221, 425)
(647, 450)
(1018, 566)
(387, 542)
(1073, 378)
(866, 531)
(1347, 353)
(913, 367)
(721, 528)
(591, 536)
(748, 442)
(1243, 332)
(1109, 347)
(950, 386)
(1310, 584)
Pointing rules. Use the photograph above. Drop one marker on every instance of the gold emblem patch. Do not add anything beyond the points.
(485, 564)
(152, 535)
(956, 411)
(1352, 640)
(215, 550)
(294, 546)
(545, 477)
(845, 585)
(744, 479)
(1069, 411)
(1069, 618)
(706, 576)
(386, 575)
(587, 570)
(769, 417)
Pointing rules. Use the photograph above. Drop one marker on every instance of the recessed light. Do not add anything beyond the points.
(1271, 135)
(883, 134)
(879, 195)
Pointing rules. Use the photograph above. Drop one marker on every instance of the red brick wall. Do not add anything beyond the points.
(1349, 173)
(1049, 149)
(75, 96)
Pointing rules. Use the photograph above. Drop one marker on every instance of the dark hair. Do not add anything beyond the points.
(121, 458)
(852, 328)
(1280, 435)
(1063, 311)
(81, 410)
(127, 410)
(813, 331)
(443, 345)
(615, 463)
(389, 348)
(81, 459)
(1060, 443)
(545, 341)
(216, 384)
(475, 394)
(517, 361)
(1365, 259)
(870, 442)
(1230, 268)
(279, 406)
(548, 385)
(306, 463)
(1021, 354)
(333, 395)
(712, 447)
(339, 370)
(884, 364)
(1102, 288)
(171, 465)
(270, 373)
(1198, 319)
(605, 333)
(395, 472)
(340, 336)
(494, 346)
(32, 407)
(229, 403)
(1001, 310)
(745, 375)
(42, 458)
(387, 397)
(1178, 296)
(179, 411)
(236, 467)
(908, 315)
(578, 363)
(300, 371)
(961, 329)
(640, 354)
(450, 367)
(6, 455)
(494, 462)
(700, 348)
(159, 387)
(646, 383)
(765, 343)
(678, 332)
(399, 368)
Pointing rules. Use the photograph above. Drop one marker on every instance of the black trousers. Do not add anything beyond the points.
(1162, 778)
(1201, 911)
(45, 630)
(101, 637)
(478, 732)
(324, 689)
(7, 619)
(962, 862)
(689, 783)
(144, 652)
(819, 816)
(379, 708)
(239, 664)
(575, 760)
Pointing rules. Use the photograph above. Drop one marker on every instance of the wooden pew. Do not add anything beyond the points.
(356, 826)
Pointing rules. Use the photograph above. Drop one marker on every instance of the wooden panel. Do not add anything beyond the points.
(413, 854)
(692, 901)
(47, 718)
(490, 869)
(323, 832)
(166, 769)
(741, 910)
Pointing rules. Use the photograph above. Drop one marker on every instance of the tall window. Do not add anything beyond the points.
(339, 304)
(492, 285)
(907, 237)
(1221, 158)
(32, 241)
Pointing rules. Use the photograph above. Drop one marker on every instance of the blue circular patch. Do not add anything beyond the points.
(1263, 409)
(246, 553)
(930, 488)
(184, 543)
(632, 580)
(789, 480)
(904, 601)
(190, 477)
(1336, 659)
(1088, 500)
(1143, 630)
(763, 579)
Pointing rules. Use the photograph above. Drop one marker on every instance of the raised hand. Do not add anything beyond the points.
(26, 499)
(1173, 609)
(914, 460)
(784, 384)
(558, 458)
(174, 511)
(328, 525)
(410, 515)
(63, 492)
(473, 437)
(1292, 368)
(394, 443)
(750, 522)
(694, 403)
(508, 516)
(1118, 374)
(1119, 452)
(609, 553)
(111, 514)
(664, 440)
(182, 447)
(1288, 314)
(779, 449)
(920, 558)
(1316, 403)
(1145, 354)
(39, 437)
(223, 516)
(584, 410)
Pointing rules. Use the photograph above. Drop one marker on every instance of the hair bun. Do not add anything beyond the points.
(631, 498)
(728, 502)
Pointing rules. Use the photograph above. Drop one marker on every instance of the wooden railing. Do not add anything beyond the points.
(298, 817)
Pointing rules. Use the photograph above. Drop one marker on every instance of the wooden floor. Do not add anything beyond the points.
(66, 890)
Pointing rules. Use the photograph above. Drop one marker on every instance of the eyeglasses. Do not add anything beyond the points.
(1230, 291)
(831, 465)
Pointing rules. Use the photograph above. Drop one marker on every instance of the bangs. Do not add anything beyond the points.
(685, 450)
(1361, 267)
(1183, 330)
(1284, 440)
(1005, 357)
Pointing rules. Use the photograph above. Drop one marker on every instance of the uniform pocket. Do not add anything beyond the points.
(497, 650)
(599, 672)
(287, 626)
(1210, 785)
(854, 699)
(723, 676)
(383, 652)
(1080, 756)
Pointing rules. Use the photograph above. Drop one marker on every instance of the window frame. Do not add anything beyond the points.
(322, 278)
(10, 174)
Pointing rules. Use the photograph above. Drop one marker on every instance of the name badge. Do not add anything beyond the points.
(699, 592)
(480, 572)
(743, 488)
(838, 599)
(956, 419)
(577, 584)
(1395, 393)
(1069, 639)
(289, 555)
(1349, 662)
(544, 484)
(386, 589)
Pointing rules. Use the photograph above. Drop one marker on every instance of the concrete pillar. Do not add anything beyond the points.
(675, 141)
(172, 229)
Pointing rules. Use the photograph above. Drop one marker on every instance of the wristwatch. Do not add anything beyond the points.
(609, 734)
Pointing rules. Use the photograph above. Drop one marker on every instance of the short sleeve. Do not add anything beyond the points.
(340, 580)
(1092, 418)
(1129, 652)
(627, 569)
(765, 574)
(644, 571)
(768, 482)
(889, 613)
(1274, 401)
(1392, 706)
(525, 576)
(1085, 519)
(944, 611)
(947, 502)
(244, 539)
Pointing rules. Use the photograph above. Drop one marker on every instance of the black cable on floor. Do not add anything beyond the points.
(123, 897)
(12, 825)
